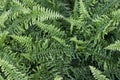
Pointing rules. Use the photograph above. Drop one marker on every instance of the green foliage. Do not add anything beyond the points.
(97, 74)
(115, 46)
(116, 15)
(11, 72)
(58, 78)
(59, 39)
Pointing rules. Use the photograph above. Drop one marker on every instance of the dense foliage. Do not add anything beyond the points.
(59, 40)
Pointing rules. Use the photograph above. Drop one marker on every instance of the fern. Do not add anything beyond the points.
(23, 40)
(74, 39)
(103, 25)
(61, 41)
(3, 18)
(11, 72)
(52, 30)
(97, 74)
(83, 11)
(17, 5)
(42, 14)
(116, 16)
(114, 47)
(3, 38)
(76, 9)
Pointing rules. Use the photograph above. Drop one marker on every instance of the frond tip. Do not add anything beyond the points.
(114, 47)
(83, 10)
(97, 74)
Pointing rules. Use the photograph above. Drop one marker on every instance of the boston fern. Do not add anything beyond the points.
(59, 39)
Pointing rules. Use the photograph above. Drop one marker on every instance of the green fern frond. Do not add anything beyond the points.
(23, 40)
(116, 15)
(74, 39)
(17, 8)
(41, 13)
(51, 29)
(20, 7)
(74, 23)
(3, 18)
(2, 38)
(97, 74)
(29, 3)
(61, 41)
(83, 11)
(76, 9)
(45, 44)
(100, 21)
(106, 7)
(114, 47)
(11, 72)
(103, 26)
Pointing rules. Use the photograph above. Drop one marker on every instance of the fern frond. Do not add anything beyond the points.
(19, 7)
(61, 41)
(103, 26)
(2, 38)
(45, 44)
(83, 11)
(116, 15)
(97, 74)
(41, 13)
(100, 21)
(74, 39)
(106, 7)
(51, 29)
(3, 18)
(76, 9)
(29, 3)
(23, 40)
(74, 23)
(11, 72)
(114, 47)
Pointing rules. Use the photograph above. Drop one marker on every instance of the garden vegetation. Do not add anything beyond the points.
(59, 39)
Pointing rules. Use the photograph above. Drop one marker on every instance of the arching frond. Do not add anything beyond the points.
(115, 46)
(42, 14)
(23, 40)
(11, 72)
(97, 74)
